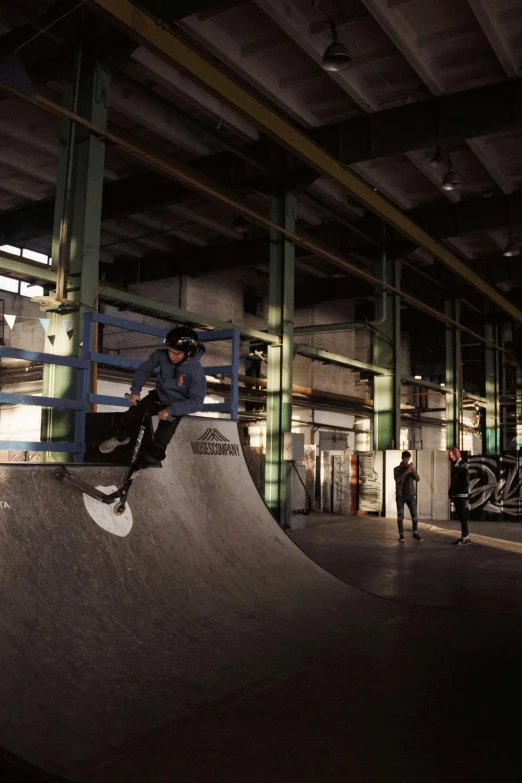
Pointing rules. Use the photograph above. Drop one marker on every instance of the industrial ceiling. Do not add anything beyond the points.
(427, 112)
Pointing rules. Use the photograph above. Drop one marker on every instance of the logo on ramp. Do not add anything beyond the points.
(214, 443)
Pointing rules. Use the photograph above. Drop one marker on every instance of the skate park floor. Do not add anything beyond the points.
(364, 552)
(193, 640)
(436, 702)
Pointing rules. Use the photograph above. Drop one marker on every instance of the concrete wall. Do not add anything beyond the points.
(28, 332)
(340, 380)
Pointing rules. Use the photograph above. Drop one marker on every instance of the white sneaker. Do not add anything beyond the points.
(112, 443)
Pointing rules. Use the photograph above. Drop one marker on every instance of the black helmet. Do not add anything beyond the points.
(182, 338)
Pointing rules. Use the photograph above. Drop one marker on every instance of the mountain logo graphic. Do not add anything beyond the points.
(213, 443)
(214, 435)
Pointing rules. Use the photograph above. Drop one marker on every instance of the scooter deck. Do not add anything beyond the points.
(62, 475)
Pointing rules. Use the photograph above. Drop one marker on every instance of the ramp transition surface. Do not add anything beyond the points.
(113, 641)
(105, 636)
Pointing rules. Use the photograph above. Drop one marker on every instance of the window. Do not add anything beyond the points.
(16, 286)
(252, 303)
(9, 284)
(27, 289)
(10, 249)
(34, 256)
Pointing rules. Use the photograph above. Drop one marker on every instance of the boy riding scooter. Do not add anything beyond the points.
(180, 389)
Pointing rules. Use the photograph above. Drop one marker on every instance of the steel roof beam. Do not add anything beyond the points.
(41, 273)
(445, 120)
(145, 29)
(471, 216)
(488, 18)
(173, 12)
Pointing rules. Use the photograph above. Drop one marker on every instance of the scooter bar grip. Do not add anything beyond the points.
(170, 418)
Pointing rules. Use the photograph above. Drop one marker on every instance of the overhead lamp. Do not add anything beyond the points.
(336, 57)
(451, 180)
(241, 225)
(439, 159)
(511, 249)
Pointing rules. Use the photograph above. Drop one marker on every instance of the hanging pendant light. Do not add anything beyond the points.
(336, 57)
(451, 180)
(512, 249)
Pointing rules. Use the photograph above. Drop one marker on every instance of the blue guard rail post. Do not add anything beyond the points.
(84, 398)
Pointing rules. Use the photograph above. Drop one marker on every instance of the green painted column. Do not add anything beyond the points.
(283, 211)
(492, 371)
(77, 223)
(453, 377)
(387, 353)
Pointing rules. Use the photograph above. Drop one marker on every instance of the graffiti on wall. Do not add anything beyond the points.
(495, 490)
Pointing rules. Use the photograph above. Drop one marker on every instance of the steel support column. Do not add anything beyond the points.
(453, 377)
(387, 353)
(518, 409)
(492, 369)
(278, 474)
(77, 222)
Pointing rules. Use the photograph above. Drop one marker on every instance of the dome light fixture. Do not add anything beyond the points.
(512, 249)
(336, 57)
(451, 180)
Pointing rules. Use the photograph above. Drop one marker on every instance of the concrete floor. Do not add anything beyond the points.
(426, 687)
(429, 695)
(365, 553)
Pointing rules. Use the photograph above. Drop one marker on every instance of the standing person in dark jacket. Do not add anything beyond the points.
(180, 389)
(459, 494)
(406, 478)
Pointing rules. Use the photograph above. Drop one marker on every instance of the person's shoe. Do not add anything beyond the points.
(401, 538)
(462, 541)
(417, 537)
(112, 443)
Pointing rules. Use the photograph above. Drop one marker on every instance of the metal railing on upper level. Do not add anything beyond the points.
(85, 399)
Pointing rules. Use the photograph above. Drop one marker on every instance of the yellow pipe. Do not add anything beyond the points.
(170, 47)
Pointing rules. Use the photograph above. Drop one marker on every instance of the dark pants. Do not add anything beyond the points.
(406, 500)
(462, 511)
(131, 420)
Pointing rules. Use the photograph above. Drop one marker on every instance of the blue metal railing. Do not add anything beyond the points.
(84, 398)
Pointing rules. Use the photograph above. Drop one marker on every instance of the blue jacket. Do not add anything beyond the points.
(182, 387)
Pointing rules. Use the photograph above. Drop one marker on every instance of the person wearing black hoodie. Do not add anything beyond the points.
(459, 494)
(180, 390)
(406, 478)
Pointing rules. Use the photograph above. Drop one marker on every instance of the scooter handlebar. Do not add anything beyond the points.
(139, 402)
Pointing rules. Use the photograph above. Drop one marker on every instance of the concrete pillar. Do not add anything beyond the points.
(278, 495)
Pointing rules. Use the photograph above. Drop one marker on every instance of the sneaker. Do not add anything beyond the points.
(112, 443)
(417, 537)
(462, 541)
(401, 538)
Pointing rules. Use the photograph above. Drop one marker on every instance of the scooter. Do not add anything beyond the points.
(62, 475)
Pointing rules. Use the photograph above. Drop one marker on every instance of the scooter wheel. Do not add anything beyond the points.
(119, 508)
